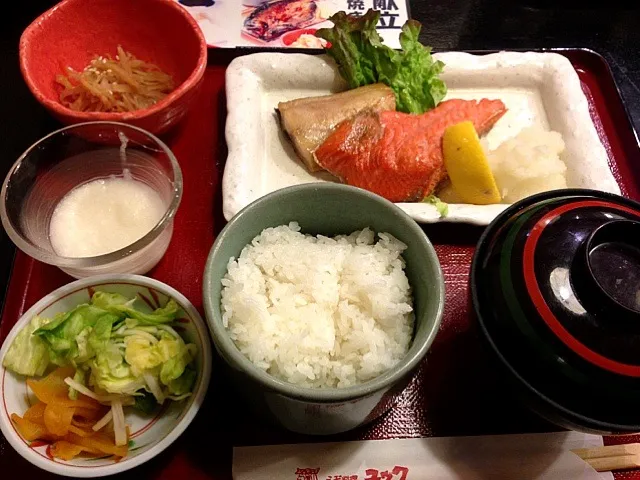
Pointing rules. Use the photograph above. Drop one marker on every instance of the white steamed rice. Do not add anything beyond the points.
(316, 311)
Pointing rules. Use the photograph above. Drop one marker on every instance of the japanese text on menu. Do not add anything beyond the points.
(388, 11)
(395, 473)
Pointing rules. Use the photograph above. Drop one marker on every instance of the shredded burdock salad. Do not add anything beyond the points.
(120, 84)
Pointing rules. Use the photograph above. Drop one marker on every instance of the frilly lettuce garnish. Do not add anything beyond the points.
(363, 59)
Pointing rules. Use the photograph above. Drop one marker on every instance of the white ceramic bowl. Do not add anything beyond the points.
(150, 434)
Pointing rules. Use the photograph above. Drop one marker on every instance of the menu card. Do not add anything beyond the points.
(286, 23)
(538, 456)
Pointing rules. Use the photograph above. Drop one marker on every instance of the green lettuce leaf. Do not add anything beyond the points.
(105, 300)
(28, 354)
(352, 38)
(363, 59)
(443, 208)
(101, 333)
(78, 377)
(62, 334)
(111, 373)
(184, 383)
(143, 355)
(123, 307)
(166, 314)
(85, 351)
(175, 366)
(114, 347)
(418, 86)
(146, 403)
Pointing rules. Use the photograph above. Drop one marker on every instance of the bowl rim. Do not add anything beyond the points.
(228, 349)
(180, 91)
(98, 260)
(481, 246)
(200, 389)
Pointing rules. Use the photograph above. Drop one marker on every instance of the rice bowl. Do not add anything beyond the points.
(319, 312)
(324, 209)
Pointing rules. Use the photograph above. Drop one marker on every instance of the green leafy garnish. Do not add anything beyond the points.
(443, 208)
(28, 354)
(145, 403)
(364, 59)
(115, 347)
(78, 377)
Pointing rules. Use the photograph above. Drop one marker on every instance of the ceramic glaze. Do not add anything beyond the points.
(537, 88)
(326, 209)
(158, 31)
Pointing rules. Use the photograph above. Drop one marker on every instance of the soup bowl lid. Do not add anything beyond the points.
(555, 284)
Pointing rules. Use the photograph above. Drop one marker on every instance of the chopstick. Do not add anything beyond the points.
(612, 457)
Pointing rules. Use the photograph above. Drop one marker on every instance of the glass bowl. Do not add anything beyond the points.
(76, 155)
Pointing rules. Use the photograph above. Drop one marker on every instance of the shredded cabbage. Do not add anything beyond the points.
(119, 352)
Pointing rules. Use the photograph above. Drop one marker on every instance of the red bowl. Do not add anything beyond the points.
(74, 31)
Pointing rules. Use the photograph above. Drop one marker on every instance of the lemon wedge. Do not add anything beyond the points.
(467, 166)
(447, 194)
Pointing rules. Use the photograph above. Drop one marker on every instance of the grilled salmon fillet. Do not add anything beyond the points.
(399, 155)
(309, 121)
(273, 19)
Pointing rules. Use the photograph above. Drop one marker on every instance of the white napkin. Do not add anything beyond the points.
(537, 456)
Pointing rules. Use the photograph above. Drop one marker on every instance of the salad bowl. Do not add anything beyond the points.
(150, 433)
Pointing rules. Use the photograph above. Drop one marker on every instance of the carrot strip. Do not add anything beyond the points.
(58, 419)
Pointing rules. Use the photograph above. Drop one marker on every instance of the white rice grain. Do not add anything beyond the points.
(316, 311)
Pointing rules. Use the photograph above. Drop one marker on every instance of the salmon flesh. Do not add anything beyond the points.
(399, 155)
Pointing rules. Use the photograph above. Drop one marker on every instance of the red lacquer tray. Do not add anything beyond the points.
(454, 392)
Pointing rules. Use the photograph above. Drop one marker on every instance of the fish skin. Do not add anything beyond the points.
(399, 155)
(309, 121)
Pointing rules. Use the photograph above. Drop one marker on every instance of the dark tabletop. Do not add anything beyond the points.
(608, 27)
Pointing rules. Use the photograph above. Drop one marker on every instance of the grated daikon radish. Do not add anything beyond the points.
(103, 216)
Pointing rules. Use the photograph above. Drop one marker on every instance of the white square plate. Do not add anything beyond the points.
(537, 88)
